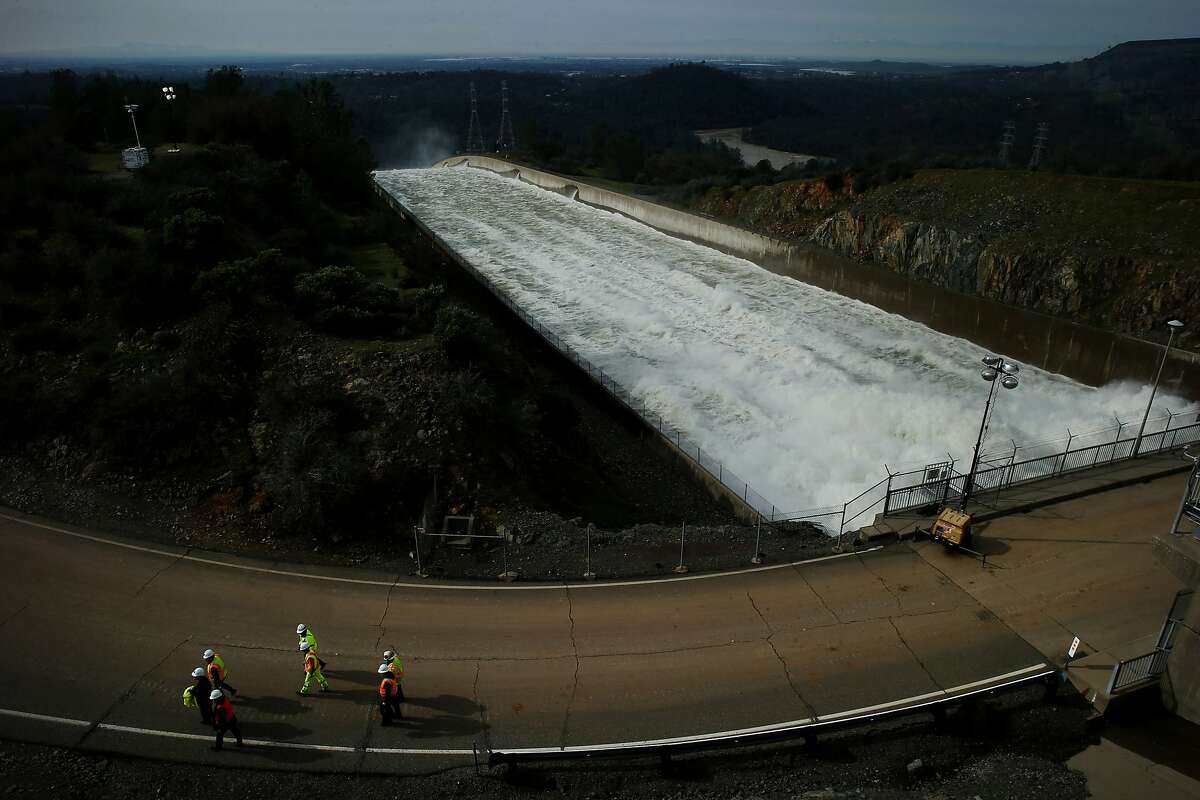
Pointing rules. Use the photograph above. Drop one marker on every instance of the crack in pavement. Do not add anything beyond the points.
(575, 683)
(913, 653)
(387, 606)
(787, 672)
(14, 614)
(129, 692)
(895, 597)
(154, 577)
(816, 594)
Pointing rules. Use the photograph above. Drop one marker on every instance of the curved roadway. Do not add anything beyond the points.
(100, 637)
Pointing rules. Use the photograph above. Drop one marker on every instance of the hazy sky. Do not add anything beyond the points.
(950, 29)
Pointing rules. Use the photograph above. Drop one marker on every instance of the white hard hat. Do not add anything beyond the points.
(301, 628)
(388, 655)
(383, 669)
(304, 646)
(198, 672)
(215, 694)
(209, 653)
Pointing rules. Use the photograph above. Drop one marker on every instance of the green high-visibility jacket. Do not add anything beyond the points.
(312, 640)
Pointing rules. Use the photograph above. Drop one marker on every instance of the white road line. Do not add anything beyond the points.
(199, 737)
(44, 718)
(481, 587)
(916, 700)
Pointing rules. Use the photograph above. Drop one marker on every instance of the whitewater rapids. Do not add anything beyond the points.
(804, 393)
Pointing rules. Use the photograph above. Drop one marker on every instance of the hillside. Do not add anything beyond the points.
(1116, 253)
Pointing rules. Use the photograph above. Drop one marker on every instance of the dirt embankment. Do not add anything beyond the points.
(1118, 254)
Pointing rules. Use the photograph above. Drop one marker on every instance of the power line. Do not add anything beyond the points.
(474, 131)
(1039, 144)
(506, 141)
(1006, 141)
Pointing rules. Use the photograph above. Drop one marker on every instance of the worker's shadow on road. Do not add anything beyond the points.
(454, 716)
(282, 706)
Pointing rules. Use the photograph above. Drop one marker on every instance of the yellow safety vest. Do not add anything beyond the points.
(397, 667)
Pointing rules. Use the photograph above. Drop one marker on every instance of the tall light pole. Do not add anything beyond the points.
(1174, 325)
(130, 108)
(993, 367)
(169, 95)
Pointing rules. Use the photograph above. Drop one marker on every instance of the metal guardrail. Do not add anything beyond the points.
(1135, 671)
(800, 729)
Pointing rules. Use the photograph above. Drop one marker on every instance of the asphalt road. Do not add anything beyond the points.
(102, 636)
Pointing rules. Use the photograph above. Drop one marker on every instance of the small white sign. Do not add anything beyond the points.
(1074, 647)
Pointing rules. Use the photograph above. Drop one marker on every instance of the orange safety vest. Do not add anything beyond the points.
(216, 673)
(310, 662)
(387, 688)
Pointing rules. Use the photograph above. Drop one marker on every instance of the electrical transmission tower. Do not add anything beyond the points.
(1039, 144)
(1006, 141)
(474, 131)
(506, 141)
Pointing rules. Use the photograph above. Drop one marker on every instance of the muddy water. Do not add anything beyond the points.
(1087, 354)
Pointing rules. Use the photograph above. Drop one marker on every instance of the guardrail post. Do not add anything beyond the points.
(887, 497)
(681, 569)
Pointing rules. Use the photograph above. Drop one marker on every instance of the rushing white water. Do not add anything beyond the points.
(804, 393)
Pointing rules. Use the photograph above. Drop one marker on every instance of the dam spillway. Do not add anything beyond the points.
(805, 393)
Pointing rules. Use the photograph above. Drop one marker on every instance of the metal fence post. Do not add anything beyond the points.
(757, 558)
(587, 573)
(887, 497)
(1063, 462)
(682, 533)
(417, 551)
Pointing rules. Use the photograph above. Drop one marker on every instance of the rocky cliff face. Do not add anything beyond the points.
(1120, 292)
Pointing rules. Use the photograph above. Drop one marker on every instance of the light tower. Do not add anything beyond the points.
(474, 131)
(506, 140)
(134, 157)
(1039, 144)
(1006, 141)
(169, 95)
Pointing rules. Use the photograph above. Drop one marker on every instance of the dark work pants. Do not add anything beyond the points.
(231, 726)
(205, 712)
(389, 710)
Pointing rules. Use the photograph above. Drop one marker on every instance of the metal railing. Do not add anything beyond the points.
(1134, 671)
(941, 483)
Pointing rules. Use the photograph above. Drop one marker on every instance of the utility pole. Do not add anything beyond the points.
(506, 141)
(1039, 144)
(1006, 141)
(474, 131)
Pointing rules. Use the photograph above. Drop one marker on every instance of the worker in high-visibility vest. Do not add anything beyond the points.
(389, 696)
(395, 666)
(312, 670)
(200, 692)
(306, 635)
(224, 718)
(214, 665)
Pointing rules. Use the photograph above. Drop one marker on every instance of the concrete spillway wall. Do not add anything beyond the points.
(1087, 354)
(688, 226)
